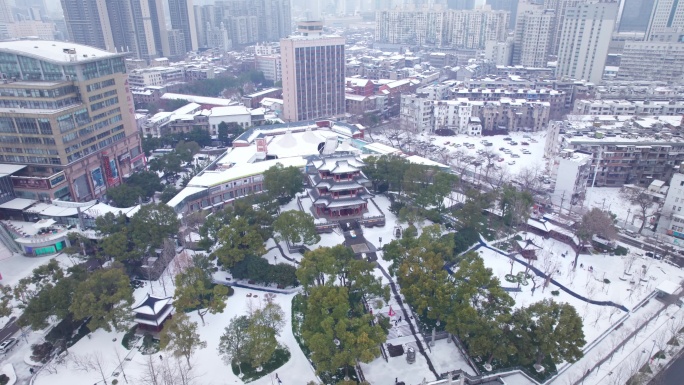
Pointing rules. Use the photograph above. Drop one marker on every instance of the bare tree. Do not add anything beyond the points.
(166, 372)
(529, 178)
(549, 266)
(121, 364)
(595, 222)
(91, 362)
(644, 202)
(162, 267)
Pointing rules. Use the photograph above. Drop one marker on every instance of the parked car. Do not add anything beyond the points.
(7, 345)
(513, 143)
(352, 234)
(654, 256)
(508, 139)
(515, 156)
(511, 163)
(524, 143)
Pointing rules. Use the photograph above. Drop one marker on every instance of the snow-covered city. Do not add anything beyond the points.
(341, 192)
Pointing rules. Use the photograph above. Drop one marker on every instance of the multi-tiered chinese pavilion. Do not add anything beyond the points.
(338, 186)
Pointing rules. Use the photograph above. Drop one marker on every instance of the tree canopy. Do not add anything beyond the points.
(180, 336)
(296, 227)
(237, 240)
(195, 291)
(335, 334)
(106, 297)
(283, 183)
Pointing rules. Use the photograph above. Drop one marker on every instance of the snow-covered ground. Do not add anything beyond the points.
(586, 280)
(207, 364)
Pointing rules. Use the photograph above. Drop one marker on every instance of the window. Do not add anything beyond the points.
(27, 125)
(45, 127)
(66, 123)
(7, 125)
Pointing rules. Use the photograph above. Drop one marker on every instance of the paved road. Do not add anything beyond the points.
(673, 375)
(9, 329)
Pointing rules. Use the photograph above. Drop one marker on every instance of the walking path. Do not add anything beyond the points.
(407, 316)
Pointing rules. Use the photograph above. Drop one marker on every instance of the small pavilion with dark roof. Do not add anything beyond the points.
(151, 313)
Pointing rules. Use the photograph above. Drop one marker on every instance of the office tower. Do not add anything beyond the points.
(533, 34)
(667, 16)
(182, 16)
(74, 126)
(634, 15)
(586, 34)
(88, 23)
(441, 28)
(510, 6)
(313, 68)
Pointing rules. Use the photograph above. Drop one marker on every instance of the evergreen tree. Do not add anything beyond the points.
(106, 297)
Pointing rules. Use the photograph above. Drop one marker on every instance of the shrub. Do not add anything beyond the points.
(42, 352)
(395, 206)
(129, 338)
(258, 270)
(621, 250)
(606, 280)
(555, 292)
(115, 381)
(3, 379)
(433, 216)
(517, 237)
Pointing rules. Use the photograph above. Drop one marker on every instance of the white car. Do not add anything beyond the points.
(511, 163)
(7, 345)
(352, 234)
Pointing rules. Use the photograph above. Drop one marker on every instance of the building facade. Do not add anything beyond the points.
(88, 23)
(313, 76)
(671, 221)
(441, 28)
(182, 15)
(533, 36)
(667, 17)
(68, 117)
(652, 61)
(585, 36)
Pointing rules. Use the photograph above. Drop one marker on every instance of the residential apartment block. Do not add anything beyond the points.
(420, 114)
(586, 33)
(652, 61)
(625, 107)
(533, 36)
(469, 29)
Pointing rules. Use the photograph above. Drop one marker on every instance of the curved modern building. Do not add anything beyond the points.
(66, 113)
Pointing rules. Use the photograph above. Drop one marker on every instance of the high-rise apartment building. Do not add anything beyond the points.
(248, 21)
(667, 17)
(68, 117)
(88, 23)
(533, 35)
(469, 29)
(5, 12)
(135, 26)
(510, 6)
(313, 70)
(182, 15)
(559, 7)
(586, 34)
